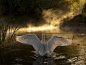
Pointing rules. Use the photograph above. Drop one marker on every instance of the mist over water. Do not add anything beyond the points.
(55, 25)
(53, 20)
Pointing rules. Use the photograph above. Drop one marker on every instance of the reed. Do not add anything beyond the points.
(5, 36)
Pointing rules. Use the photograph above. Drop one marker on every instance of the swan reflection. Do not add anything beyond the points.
(44, 61)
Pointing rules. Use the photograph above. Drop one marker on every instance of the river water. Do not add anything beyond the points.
(21, 54)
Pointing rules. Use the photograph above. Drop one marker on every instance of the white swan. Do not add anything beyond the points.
(41, 47)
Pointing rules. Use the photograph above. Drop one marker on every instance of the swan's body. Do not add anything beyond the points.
(41, 47)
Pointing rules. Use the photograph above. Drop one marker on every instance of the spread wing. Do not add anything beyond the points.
(57, 41)
(30, 39)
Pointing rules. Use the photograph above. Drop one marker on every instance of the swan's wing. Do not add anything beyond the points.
(30, 39)
(57, 41)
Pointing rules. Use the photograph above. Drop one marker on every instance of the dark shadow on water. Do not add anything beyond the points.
(26, 57)
(50, 61)
(44, 61)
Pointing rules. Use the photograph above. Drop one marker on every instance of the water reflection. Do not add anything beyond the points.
(64, 56)
(80, 58)
(59, 60)
(44, 61)
(20, 54)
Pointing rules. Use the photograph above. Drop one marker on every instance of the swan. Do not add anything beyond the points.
(41, 47)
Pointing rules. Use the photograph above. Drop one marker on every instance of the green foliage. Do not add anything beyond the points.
(29, 6)
(84, 10)
(5, 28)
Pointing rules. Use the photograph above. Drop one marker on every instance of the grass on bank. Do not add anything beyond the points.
(6, 34)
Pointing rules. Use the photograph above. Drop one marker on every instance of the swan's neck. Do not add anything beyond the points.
(43, 38)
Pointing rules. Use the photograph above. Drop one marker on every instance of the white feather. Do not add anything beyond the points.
(57, 41)
(42, 48)
(30, 39)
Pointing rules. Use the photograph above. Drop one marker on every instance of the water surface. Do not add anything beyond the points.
(21, 54)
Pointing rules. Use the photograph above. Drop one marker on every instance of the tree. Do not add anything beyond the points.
(28, 6)
(84, 8)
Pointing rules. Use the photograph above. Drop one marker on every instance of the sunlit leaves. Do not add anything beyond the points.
(73, 4)
(84, 10)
